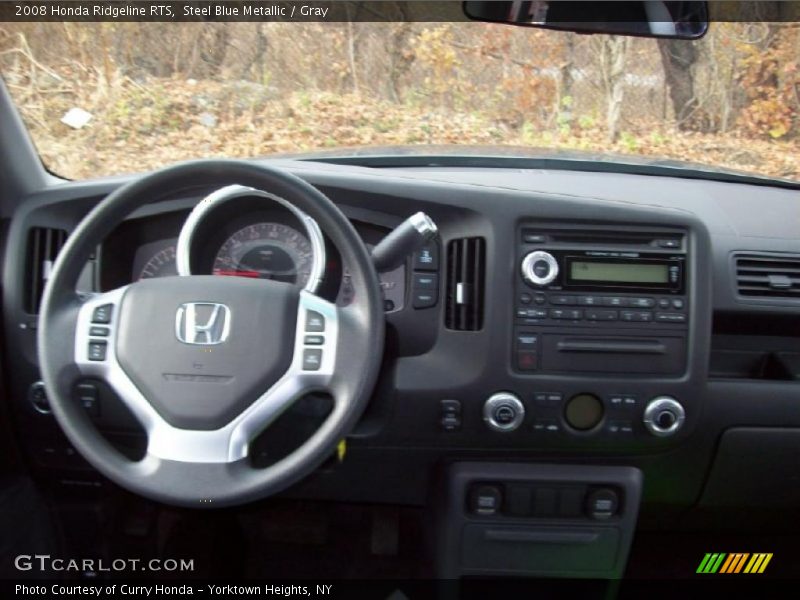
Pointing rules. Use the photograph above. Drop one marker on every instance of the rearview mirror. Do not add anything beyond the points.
(647, 18)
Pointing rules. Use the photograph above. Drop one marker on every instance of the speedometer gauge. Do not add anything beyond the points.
(161, 264)
(266, 251)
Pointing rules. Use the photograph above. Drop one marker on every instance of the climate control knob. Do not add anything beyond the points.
(539, 268)
(664, 416)
(503, 411)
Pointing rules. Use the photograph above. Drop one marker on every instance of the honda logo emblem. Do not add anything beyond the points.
(203, 323)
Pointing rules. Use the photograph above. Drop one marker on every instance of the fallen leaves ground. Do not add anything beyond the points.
(137, 127)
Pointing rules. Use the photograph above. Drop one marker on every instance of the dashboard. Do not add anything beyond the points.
(551, 313)
(262, 242)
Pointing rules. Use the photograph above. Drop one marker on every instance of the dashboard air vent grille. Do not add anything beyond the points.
(768, 275)
(44, 244)
(466, 273)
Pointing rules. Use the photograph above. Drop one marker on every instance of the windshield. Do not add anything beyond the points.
(109, 98)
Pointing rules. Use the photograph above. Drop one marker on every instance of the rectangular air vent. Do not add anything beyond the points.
(769, 276)
(44, 244)
(466, 272)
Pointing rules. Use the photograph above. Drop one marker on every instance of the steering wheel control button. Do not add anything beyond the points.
(102, 314)
(97, 331)
(485, 500)
(314, 340)
(97, 350)
(89, 398)
(602, 504)
(503, 412)
(314, 321)
(664, 416)
(312, 359)
(584, 412)
(38, 398)
(450, 415)
(539, 268)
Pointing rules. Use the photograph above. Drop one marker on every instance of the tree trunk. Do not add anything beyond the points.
(678, 58)
(613, 54)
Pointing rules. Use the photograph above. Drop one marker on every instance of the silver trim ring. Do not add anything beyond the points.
(499, 400)
(531, 259)
(231, 192)
(655, 408)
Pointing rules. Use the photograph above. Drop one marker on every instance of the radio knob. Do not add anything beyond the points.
(503, 412)
(539, 268)
(664, 416)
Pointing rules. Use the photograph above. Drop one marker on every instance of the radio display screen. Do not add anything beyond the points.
(619, 272)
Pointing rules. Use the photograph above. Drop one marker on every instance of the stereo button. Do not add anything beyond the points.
(560, 313)
(526, 360)
(636, 316)
(615, 301)
(670, 318)
(534, 238)
(563, 300)
(527, 341)
(601, 315)
(641, 302)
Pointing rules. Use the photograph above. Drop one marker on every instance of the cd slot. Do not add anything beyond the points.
(565, 353)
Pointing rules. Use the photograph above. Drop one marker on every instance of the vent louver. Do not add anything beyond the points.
(44, 244)
(466, 272)
(768, 276)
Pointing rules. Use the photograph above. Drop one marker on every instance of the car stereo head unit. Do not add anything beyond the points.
(604, 271)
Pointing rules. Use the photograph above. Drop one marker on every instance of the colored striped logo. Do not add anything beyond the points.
(736, 562)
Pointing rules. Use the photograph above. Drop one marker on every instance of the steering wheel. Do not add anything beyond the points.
(253, 348)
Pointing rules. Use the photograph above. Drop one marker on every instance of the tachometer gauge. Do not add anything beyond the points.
(161, 264)
(266, 251)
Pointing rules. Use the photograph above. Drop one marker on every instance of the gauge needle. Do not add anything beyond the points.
(235, 273)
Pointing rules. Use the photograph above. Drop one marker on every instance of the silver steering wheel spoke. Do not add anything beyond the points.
(316, 342)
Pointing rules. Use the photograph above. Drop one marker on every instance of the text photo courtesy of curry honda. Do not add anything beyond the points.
(399, 299)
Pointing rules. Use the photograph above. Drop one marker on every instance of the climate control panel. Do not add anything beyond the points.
(617, 416)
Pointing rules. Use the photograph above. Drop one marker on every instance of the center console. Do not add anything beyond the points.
(600, 340)
(536, 520)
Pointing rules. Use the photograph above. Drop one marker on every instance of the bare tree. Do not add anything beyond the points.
(678, 58)
(613, 54)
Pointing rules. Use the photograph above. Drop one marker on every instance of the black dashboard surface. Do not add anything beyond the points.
(428, 362)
